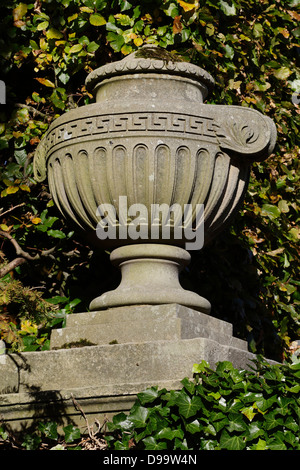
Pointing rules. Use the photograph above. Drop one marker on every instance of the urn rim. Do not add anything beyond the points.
(139, 63)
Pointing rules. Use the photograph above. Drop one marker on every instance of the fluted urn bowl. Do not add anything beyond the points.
(149, 143)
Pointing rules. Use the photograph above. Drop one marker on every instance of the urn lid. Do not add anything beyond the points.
(149, 59)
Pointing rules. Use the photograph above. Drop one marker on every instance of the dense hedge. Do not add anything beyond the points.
(225, 408)
(251, 47)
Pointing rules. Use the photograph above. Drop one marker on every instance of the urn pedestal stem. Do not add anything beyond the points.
(150, 276)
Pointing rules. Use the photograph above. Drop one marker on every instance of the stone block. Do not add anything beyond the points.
(156, 346)
(144, 323)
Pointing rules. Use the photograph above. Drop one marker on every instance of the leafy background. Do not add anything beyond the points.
(47, 47)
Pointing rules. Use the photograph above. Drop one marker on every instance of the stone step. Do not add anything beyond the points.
(108, 366)
(143, 323)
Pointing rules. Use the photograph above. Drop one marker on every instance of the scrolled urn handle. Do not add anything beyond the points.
(244, 131)
(39, 162)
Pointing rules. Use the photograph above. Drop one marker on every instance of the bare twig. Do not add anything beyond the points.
(19, 250)
(96, 442)
(11, 266)
(11, 209)
(23, 256)
(33, 110)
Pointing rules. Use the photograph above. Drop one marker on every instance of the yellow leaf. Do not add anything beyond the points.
(73, 17)
(28, 327)
(188, 6)
(210, 29)
(86, 9)
(249, 412)
(36, 220)
(19, 11)
(24, 187)
(43, 44)
(97, 20)
(138, 41)
(17, 134)
(12, 189)
(4, 227)
(53, 33)
(46, 82)
(7, 182)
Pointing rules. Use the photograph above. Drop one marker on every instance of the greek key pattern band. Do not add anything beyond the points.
(133, 123)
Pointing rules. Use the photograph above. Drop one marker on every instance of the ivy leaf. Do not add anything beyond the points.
(229, 51)
(188, 406)
(261, 445)
(248, 412)
(271, 420)
(254, 431)
(121, 421)
(139, 416)
(49, 429)
(236, 423)
(64, 77)
(194, 426)
(151, 444)
(169, 434)
(71, 433)
(231, 442)
(148, 396)
(276, 443)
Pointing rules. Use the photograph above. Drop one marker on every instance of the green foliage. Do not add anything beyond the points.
(219, 409)
(47, 48)
(26, 319)
(45, 437)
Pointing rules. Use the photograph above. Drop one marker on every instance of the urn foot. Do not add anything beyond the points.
(150, 275)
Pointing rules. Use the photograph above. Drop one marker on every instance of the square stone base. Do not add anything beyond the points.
(133, 348)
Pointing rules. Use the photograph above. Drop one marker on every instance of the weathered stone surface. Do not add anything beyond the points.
(103, 379)
(154, 344)
(157, 345)
(118, 363)
(144, 323)
(9, 379)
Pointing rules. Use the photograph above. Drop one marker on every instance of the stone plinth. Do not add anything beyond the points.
(144, 323)
(134, 348)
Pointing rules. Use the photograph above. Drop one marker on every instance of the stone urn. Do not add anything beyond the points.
(151, 172)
